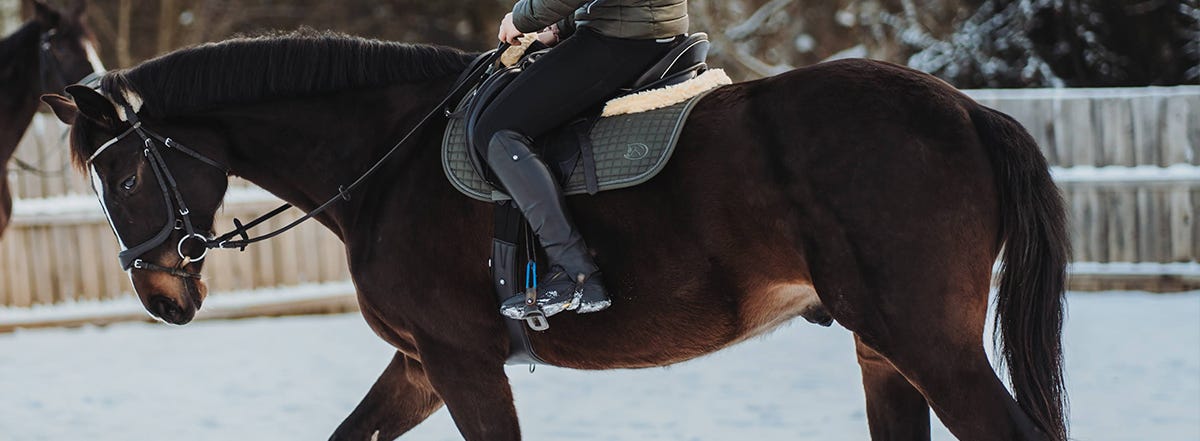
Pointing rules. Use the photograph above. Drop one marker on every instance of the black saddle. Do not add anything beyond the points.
(686, 61)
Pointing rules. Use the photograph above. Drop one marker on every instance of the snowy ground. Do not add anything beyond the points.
(1133, 368)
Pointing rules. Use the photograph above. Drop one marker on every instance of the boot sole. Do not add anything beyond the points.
(547, 311)
(590, 307)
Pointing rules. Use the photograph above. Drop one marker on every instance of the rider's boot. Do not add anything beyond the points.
(573, 282)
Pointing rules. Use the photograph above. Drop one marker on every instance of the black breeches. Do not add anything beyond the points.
(579, 73)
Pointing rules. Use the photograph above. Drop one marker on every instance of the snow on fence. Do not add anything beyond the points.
(1128, 161)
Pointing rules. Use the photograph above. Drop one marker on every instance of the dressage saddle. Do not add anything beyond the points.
(686, 61)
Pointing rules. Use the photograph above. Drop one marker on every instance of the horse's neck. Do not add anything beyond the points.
(303, 150)
(19, 91)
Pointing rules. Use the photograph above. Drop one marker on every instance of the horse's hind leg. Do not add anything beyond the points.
(933, 336)
(400, 399)
(963, 390)
(895, 409)
(922, 306)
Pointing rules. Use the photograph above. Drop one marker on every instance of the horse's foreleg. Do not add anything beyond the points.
(476, 391)
(400, 399)
(895, 409)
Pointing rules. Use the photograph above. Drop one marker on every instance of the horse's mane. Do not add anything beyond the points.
(275, 66)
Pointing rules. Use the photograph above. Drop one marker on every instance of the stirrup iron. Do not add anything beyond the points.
(533, 314)
(537, 321)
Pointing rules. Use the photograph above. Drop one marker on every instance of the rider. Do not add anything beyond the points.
(605, 45)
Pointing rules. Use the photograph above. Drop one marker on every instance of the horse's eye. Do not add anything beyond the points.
(129, 183)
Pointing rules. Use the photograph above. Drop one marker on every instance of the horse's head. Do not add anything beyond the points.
(160, 198)
(67, 48)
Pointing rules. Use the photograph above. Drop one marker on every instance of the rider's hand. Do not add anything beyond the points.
(549, 36)
(508, 31)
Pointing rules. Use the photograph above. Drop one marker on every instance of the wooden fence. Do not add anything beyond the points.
(62, 249)
(1128, 161)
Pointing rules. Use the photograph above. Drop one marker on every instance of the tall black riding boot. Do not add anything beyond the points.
(573, 282)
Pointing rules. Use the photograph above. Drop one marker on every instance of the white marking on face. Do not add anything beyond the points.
(98, 188)
(93, 57)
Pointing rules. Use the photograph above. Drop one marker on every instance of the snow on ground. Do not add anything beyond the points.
(1133, 368)
(128, 307)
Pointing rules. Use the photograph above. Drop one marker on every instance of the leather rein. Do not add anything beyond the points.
(179, 216)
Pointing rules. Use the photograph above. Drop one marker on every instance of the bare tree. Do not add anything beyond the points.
(971, 43)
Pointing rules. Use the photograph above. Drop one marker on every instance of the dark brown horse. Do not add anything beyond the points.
(869, 190)
(49, 52)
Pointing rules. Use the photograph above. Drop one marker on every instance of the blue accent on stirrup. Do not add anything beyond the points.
(531, 275)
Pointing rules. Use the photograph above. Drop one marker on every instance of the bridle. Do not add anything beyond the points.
(179, 216)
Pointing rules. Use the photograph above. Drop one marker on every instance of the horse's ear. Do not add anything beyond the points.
(44, 14)
(63, 108)
(94, 106)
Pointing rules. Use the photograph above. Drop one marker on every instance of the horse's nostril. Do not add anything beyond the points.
(165, 309)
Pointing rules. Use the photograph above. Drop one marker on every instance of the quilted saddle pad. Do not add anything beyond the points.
(628, 150)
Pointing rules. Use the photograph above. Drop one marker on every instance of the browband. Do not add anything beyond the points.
(115, 140)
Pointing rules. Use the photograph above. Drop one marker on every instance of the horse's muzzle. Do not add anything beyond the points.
(169, 311)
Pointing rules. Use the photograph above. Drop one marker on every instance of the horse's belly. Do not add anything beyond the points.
(766, 309)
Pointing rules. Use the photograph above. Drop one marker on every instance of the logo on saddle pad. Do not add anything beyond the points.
(636, 151)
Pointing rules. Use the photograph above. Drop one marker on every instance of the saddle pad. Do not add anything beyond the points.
(628, 149)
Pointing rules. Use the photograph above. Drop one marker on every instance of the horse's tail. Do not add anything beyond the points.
(1029, 306)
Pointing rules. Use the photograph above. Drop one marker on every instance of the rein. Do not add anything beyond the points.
(178, 214)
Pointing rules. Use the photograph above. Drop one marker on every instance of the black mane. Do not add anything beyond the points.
(276, 66)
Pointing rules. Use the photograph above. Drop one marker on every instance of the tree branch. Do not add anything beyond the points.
(757, 20)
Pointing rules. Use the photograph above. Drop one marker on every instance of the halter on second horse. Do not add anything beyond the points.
(178, 215)
(48, 63)
(46, 57)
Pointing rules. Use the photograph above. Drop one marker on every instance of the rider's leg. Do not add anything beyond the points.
(534, 189)
(580, 73)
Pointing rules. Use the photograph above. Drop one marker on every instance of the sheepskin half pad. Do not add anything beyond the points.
(629, 149)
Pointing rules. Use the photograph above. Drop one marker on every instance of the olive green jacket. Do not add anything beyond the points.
(635, 19)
